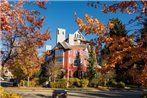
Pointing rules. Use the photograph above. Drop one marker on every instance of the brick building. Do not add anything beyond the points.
(69, 53)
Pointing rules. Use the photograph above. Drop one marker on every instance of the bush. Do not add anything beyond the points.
(71, 82)
(77, 82)
(58, 84)
(84, 82)
(43, 80)
(10, 95)
(1, 90)
(4, 94)
(93, 83)
(32, 83)
(112, 83)
(23, 83)
(121, 85)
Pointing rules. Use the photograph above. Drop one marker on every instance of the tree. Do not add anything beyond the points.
(17, 25)
(129, 7)
(26, 64)
(118, 30)
(54, 72)
(143, 33)
(91, 68)
(138, 71)
(121, 46)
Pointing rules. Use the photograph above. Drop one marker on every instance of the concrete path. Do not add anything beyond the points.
(80, 93)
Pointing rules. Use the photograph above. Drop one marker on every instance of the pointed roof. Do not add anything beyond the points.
(64, 44)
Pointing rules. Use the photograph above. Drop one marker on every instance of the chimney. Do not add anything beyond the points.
(60, 35)
(48, 47)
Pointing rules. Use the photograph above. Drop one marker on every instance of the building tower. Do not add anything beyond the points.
(60, 35)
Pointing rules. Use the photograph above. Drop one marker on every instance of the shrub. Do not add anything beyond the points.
(84, 82)
(32, 83)
(112, 83)
(1, 90)
(4, 94)
(10, 95)
(23, 83)
(43, 80)
(71, 82)
(77, 82)
(121, 85)
(93, 83)
(52, 84)
(58, 84)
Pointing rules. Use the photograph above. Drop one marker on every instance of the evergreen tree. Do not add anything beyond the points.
(91, 72)
(118, 29)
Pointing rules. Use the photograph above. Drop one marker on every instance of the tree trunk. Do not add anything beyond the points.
(28, 82)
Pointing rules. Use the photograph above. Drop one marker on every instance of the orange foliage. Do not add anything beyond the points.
(120, 47)
(19, 24)
(139, 76)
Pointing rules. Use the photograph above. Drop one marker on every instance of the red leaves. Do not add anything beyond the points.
(41, 4)
(38, 23)
(46, 35)
(139, 76)
(128, 6)
(23, 25)
(30, 18)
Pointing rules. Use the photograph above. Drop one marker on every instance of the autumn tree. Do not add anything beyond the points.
(17, 25)
(133, 51)
(139, 67)
(27, 63)
(117, 30)
(54, 72)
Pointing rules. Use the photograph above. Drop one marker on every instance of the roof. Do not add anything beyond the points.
(65, 45)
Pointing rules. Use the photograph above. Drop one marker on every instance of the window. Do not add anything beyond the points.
(59, 52)
(70, 51)
(59, 60)
(75, 52)
(63, 32)
(77, 62)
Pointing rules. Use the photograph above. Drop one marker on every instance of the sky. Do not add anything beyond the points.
(60, 14)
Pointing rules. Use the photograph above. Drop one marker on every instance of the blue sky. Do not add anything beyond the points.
(60, 14)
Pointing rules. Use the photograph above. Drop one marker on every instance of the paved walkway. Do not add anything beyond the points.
(46, 93)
